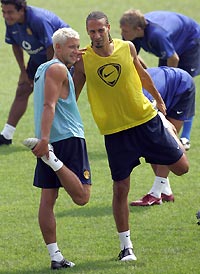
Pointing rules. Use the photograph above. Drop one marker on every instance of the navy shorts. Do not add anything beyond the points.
(33, 66)
(150, 140)
(189, 60)
(183, 107)
(73, 153)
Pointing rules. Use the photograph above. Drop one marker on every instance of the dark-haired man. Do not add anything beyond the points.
(28, 29)
(130, 125)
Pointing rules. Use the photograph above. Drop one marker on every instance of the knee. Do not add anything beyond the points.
(24, 90)
(80, 201)
(183, 170)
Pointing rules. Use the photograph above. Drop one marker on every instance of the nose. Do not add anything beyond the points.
(97, 35)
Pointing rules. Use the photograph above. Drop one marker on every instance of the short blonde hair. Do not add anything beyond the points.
(134, 18)
(60, 36)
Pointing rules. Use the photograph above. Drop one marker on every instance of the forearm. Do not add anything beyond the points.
(46, 122)
(173, 61)
(19, 56)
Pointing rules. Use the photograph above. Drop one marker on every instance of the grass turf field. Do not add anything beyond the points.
(165, 237)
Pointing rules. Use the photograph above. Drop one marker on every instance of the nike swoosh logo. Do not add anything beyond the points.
(36, 79)
(14, 32)
(150, 203)
(106, 75)
(179, 112)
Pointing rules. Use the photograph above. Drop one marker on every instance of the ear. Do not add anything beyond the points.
(57, 46)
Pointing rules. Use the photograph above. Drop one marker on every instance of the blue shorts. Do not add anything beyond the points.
(150, 140)
(183, 106)
(73, 153)
(188, 61)
(33, 65)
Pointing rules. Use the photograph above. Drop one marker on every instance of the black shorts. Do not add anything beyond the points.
(189, 60)
(33, 66)
(183, 107)
(73, 153)
(151, 141)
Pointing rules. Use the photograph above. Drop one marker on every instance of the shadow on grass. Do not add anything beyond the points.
(139, 209)
(98, 266)
(86, 212)
(8, 149)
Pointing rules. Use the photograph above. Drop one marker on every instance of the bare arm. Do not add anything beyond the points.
(55, 78)
(79, 77)
(49, 52)
(19, 56)
(146, 80)
(173, 60)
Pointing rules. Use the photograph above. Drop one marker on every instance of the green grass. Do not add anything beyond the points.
(166, 238)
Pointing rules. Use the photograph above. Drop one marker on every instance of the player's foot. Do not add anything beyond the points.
(147, 200)
(4, 141)
(127, 255)
(185, 142)
(30, 142)
(167, 198)
(62, 264)
(198, 217)
(52, 160)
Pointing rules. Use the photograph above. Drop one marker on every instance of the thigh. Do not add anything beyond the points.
(49, 196)
(122, 152)
(157, 144)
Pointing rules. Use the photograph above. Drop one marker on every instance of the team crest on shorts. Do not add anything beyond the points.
(29, 31)
(86, 174)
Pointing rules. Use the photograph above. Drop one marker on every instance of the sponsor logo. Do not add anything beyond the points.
(179, 112)
(110, 73)
(29, 31)
(36, 79)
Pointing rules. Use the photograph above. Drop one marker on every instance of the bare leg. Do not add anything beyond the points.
(46, 215)
(20, 103)
(80, 193)
(120, 204)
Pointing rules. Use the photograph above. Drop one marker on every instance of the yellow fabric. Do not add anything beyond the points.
(115, 91)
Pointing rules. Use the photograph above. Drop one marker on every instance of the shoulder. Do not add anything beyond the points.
(56, 70)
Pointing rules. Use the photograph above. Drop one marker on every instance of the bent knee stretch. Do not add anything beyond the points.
(180, 170)
(81, 201)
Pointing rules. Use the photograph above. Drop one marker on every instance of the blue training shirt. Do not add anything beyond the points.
(35, 34)
(67, 120)
(170, 82)
(168, 32)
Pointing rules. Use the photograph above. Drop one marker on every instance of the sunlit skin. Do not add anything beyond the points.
(98, 30)
(129, 33)
(68, 52)
(11, 15)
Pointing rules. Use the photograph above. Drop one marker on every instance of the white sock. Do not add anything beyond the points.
(158, 186)
(8, 131)
(53, 161)
(167, 188)
(54, 252)
(125, 240)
